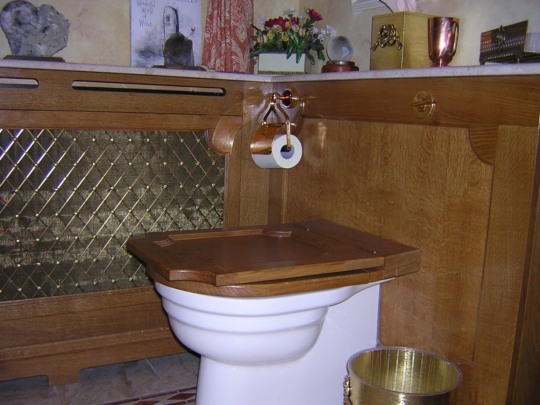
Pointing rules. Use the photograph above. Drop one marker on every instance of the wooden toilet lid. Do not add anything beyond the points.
(271, 259)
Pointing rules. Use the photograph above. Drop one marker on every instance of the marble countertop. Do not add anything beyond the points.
(486, 70)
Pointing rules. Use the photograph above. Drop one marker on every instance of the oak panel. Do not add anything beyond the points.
(461, 101)
(506, 266)
(248, 184)
(105, 121)
(62, 360)
(418, 185)
(524, 383)
(269, 254)
(290, 286)
(58, 336)
(55, 93)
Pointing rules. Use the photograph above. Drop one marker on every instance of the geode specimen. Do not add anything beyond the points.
(32, 31)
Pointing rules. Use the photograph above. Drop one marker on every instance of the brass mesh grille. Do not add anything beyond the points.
(69, 200)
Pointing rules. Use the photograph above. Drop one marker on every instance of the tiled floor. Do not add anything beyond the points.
(169, 380)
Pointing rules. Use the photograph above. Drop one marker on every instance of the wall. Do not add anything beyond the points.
(476, 17)
(272, 9)
(99, 32)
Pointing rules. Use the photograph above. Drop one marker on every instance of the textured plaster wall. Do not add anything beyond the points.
(271, 9)
(479, 16)
(100, 29)
(99, 32)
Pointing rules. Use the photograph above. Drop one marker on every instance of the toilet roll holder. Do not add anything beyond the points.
(261, 142)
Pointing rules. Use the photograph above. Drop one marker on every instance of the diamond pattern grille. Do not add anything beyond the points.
(69, 200)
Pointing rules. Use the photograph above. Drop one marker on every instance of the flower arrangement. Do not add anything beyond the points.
(292, 34)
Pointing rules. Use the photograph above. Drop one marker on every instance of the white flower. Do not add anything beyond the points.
(330, 31)
(289, 11)
(261, 21)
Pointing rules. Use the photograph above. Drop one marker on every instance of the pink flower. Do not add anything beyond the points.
(314, 15)
(276, 21)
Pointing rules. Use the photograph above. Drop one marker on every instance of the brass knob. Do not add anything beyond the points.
(423, 104)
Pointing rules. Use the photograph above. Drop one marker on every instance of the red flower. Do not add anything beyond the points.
(294, 21)
(276, 21)
(314, 15)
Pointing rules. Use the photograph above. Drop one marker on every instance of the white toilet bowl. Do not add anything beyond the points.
(278, 350)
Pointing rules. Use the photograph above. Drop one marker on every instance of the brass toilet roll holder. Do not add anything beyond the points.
(261, 142)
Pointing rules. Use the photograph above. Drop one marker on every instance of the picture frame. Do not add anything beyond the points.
(154, 22)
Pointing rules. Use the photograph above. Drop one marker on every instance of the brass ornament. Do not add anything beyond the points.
(423, 104)
(347, 391)
(388, 36)
(500, 39)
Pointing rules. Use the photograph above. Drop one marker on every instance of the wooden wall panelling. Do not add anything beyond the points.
(248, 184)
(58, 336)
(461, 101)
(13, 119)
(422, 186)
(447, 306)
(55, 93)
(526, 374)
(505, 268)
(483, 139)
(277, 196)
(221, 140)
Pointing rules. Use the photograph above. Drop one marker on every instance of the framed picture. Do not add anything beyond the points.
(166, 32)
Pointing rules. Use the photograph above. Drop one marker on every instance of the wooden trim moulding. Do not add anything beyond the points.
(58, 336)
(55, 92)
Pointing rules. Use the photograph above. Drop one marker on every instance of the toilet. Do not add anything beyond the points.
(275, 311)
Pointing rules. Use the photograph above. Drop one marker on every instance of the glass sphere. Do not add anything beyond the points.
(340, 48)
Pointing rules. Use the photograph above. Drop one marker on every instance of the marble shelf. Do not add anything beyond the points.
(485, 70)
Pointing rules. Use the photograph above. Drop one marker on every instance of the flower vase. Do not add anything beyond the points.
(274, 64)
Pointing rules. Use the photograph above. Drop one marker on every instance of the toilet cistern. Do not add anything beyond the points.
(273, 308)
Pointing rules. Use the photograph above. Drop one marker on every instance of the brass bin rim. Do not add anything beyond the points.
(391, 372)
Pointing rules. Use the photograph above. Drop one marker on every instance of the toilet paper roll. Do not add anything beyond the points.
(280, 158)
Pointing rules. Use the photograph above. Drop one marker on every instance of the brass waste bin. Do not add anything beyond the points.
(400, 376)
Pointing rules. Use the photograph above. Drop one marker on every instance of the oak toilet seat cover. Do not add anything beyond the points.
(271, 259)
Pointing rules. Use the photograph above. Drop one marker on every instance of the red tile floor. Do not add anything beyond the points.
(169, 380)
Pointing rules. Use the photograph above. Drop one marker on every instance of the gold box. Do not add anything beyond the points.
(399, 40)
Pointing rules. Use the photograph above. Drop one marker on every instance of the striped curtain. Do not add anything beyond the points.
(227, 36)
